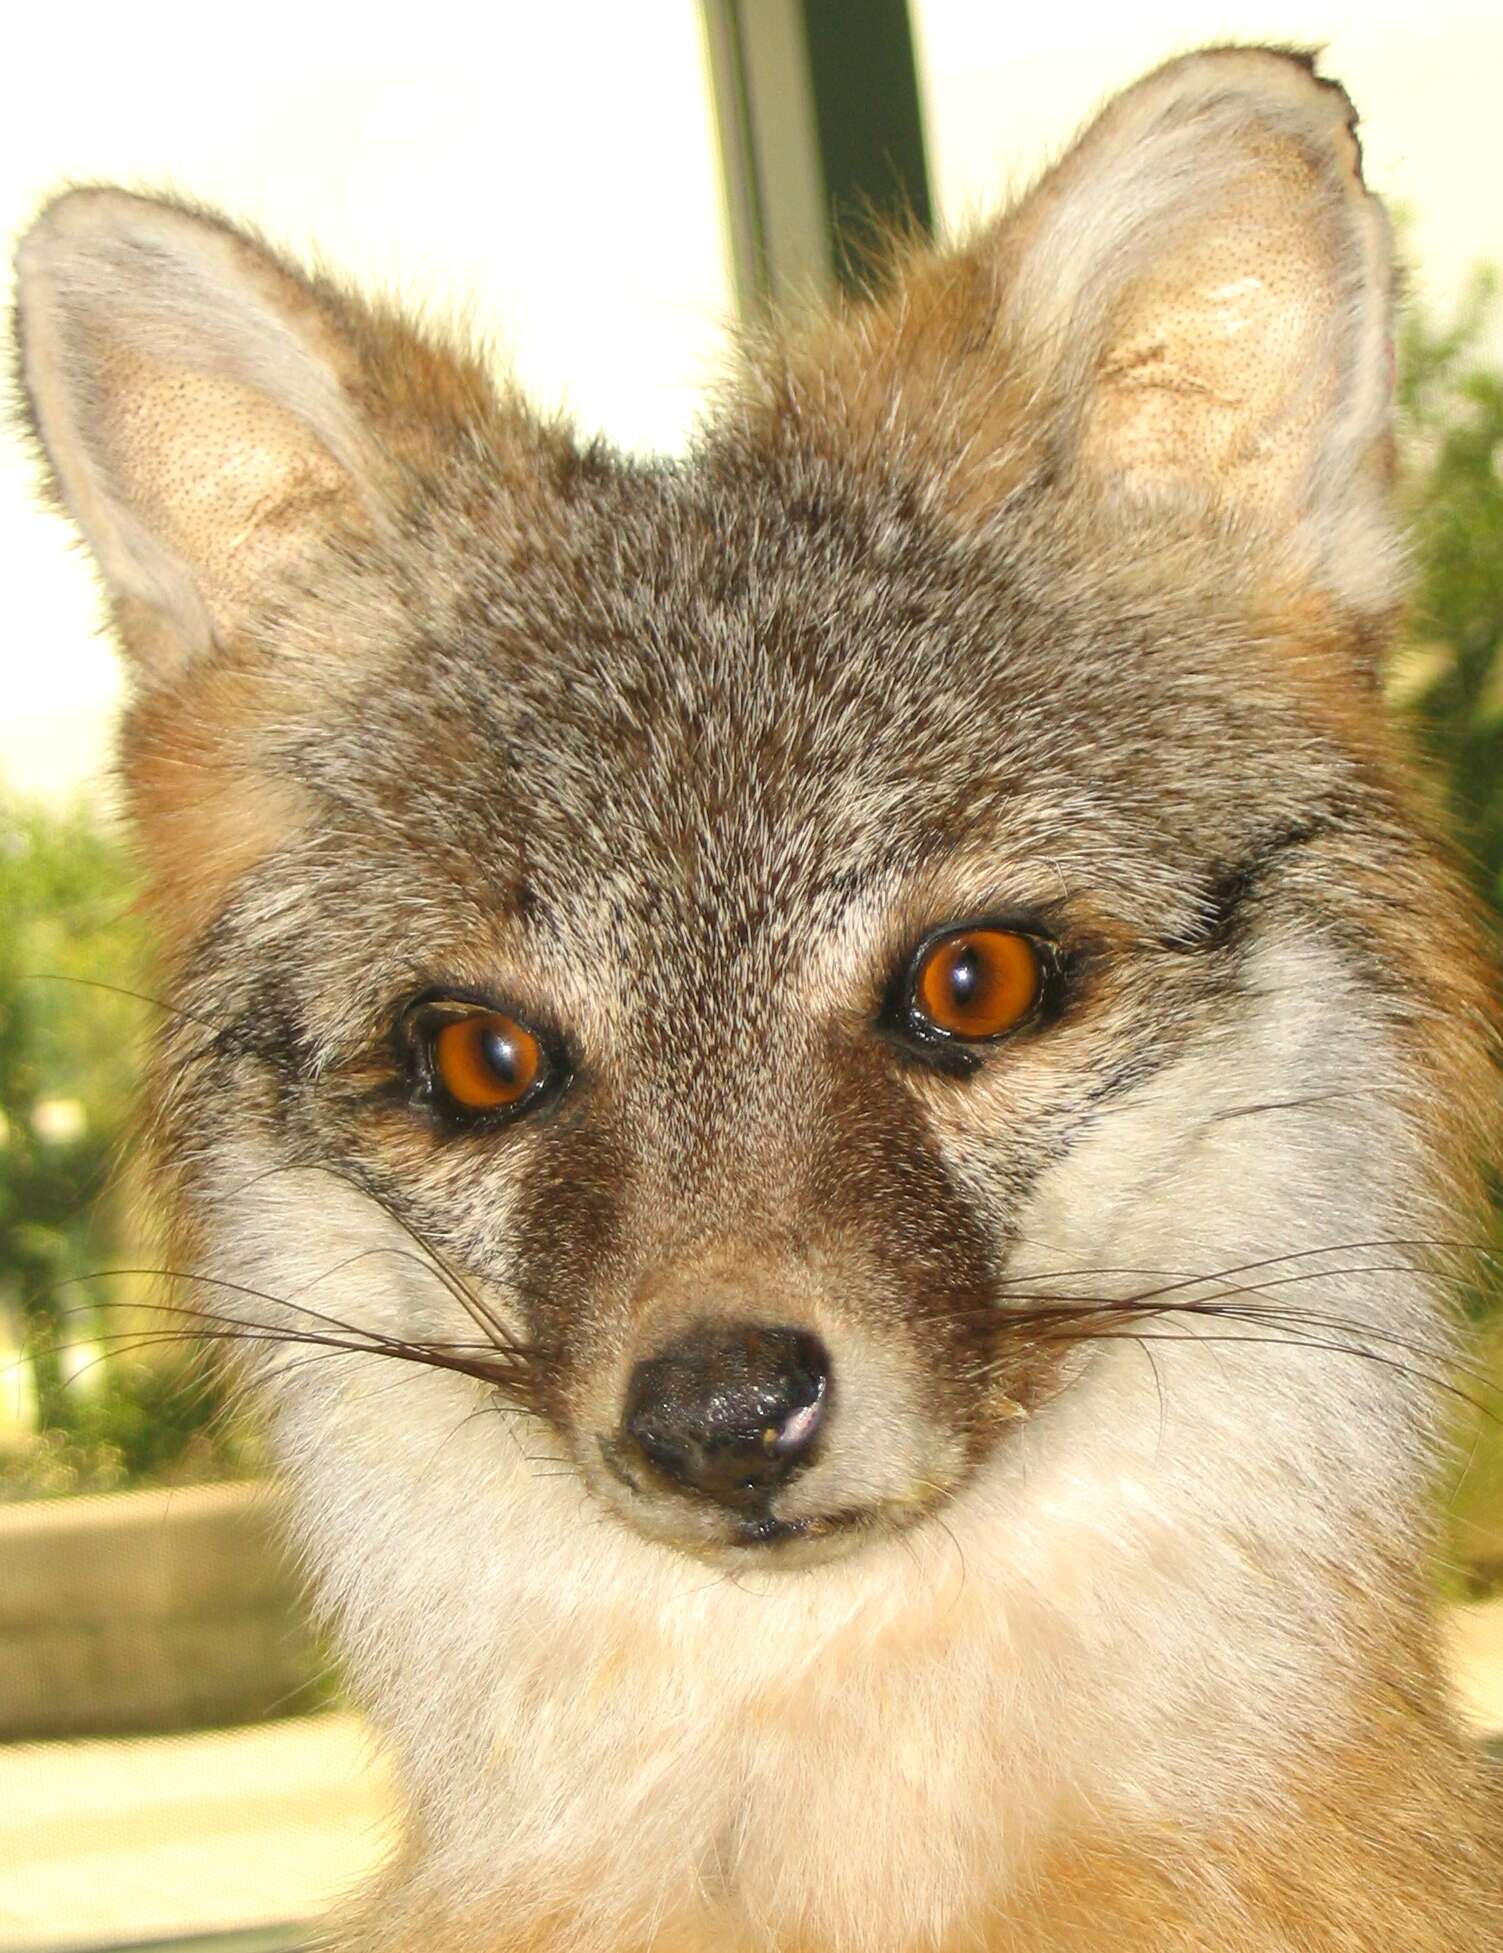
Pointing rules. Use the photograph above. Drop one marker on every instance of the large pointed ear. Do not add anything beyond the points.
(1205, 281)
(1189, 316)
(209, 416)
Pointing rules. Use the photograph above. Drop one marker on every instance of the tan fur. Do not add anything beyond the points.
(183, 763)
(1045, 591)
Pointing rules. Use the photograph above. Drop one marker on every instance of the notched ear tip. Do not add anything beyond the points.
(1259, 97)
(1282, 78)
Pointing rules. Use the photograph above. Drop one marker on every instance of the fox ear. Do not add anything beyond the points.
(1202, 290)
(196, 401)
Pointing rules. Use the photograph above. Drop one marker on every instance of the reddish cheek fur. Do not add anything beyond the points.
(205, 816)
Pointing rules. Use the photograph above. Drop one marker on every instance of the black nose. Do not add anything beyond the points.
(731, 1410)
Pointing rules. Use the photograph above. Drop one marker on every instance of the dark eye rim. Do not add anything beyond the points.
(417, 1027)
(903, 1019)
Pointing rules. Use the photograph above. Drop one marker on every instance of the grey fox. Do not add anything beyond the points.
(851, 1054)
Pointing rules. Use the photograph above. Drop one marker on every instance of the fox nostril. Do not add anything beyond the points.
(731, 1411)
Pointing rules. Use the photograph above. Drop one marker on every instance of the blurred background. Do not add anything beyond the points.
(603, 188)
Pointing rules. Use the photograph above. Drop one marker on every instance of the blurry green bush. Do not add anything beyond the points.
(1448, 680)
(1449, 677)
(74, 1416)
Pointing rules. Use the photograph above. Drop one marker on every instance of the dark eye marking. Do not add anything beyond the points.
(266, 1028)
(1229, 889)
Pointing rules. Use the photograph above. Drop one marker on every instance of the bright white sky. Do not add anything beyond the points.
(554, 165)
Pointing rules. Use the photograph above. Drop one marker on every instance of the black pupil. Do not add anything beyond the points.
(499, 1050)
(966, 977)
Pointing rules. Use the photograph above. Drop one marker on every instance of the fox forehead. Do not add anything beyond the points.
(688, 685)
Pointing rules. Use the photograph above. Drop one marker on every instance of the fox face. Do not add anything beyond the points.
(702, 839)
(873, 991)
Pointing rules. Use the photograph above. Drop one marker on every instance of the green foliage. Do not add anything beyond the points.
(127, 1422)
(65, 1059)
(1451, 676)
(71, 954)
(1449, 679)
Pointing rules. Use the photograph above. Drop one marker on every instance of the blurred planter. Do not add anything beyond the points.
(149, 1611)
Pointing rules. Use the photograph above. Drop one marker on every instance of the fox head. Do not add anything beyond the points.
(875, 986)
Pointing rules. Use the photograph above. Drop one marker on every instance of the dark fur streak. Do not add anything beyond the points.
(1231, 888)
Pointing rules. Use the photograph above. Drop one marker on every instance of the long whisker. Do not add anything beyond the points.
(434, 1355)
(1292, 1333)
(481, 1312)
(1172, 1279)
(1331, 1348)
(198, 1313)
(505, 1367)
(216, 1281)
(1116, 1313)
(1052, 1306)
(122, 990)
(498, 1336)
(508, 1346)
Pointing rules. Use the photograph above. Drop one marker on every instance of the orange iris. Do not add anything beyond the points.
(979, 983)
(486, 1061)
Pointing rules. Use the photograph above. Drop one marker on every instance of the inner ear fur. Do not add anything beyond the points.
(209, 416)
(1210, 281)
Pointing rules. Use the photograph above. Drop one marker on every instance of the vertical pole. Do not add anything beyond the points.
(821, 138)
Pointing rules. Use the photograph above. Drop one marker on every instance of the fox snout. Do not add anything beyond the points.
(728, 1413)
(750, 1411)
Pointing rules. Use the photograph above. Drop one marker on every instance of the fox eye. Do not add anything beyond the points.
(484, 1061)
(977, 983)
